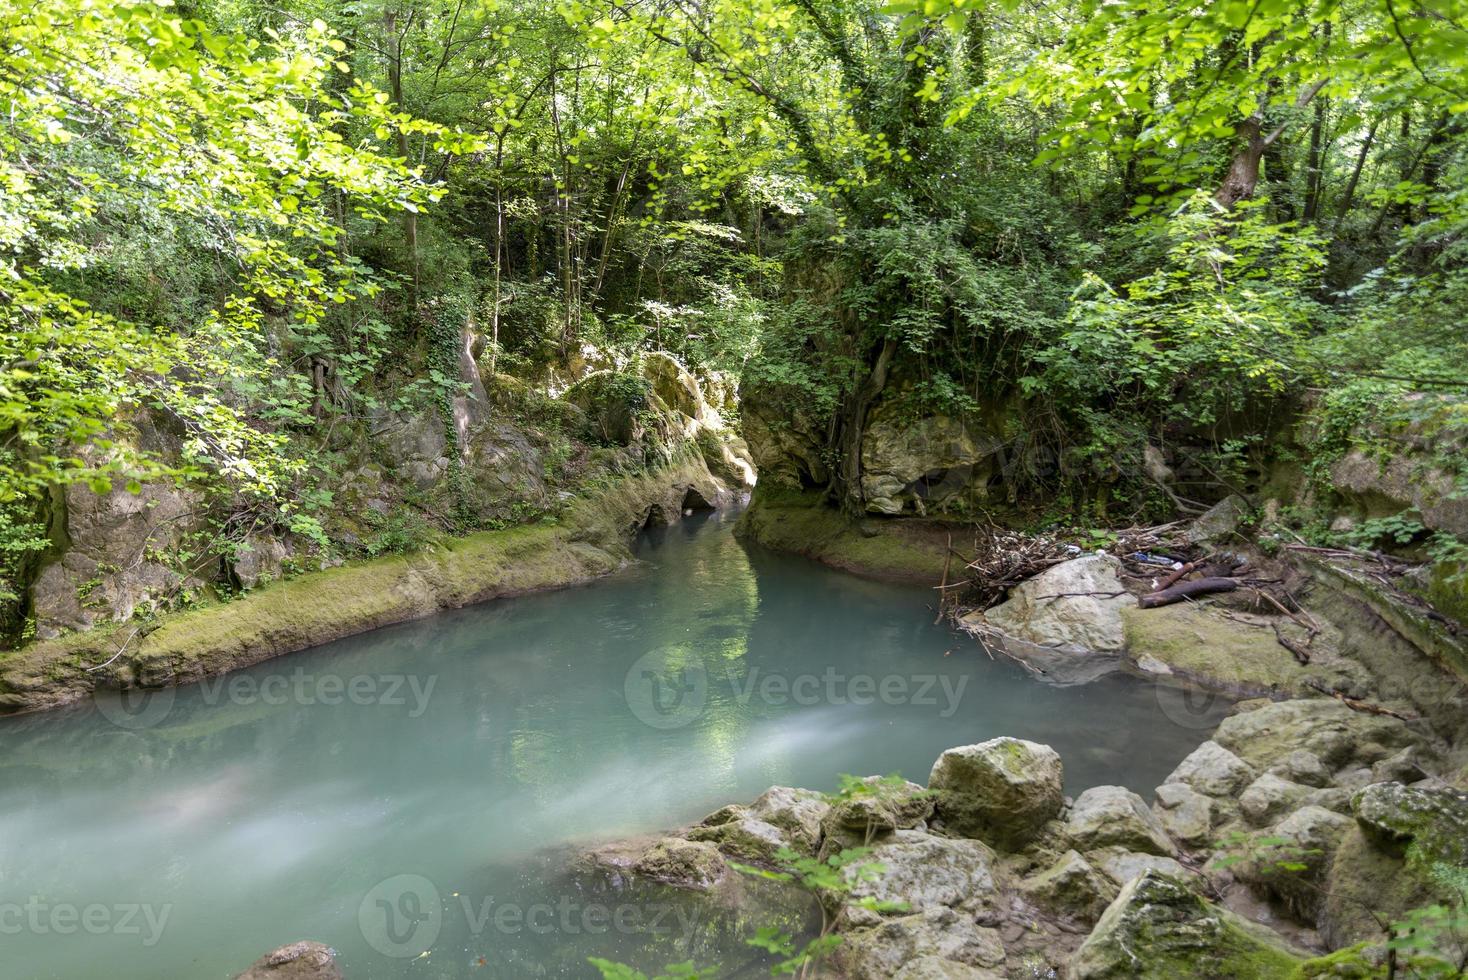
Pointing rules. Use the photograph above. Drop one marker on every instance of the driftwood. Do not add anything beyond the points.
(1187, 590)
(1176, 576)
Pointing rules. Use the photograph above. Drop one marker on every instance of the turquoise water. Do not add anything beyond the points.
(407, 795)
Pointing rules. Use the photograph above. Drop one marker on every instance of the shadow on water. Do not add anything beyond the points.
(397, 794)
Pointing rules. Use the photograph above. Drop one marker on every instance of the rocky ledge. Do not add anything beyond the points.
(1285, 846)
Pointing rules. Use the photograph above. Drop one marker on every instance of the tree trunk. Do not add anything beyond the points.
(1349, 195)
(395, 91)
(850, 425)
(1243, 173)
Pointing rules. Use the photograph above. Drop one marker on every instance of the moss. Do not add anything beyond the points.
(282, 617)
(1365, 888)
(1202, 645)
(1159, 929)
(1344, 964)
(893, 549)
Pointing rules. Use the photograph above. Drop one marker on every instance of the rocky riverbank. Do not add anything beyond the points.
(589, 540)
(1285, 846)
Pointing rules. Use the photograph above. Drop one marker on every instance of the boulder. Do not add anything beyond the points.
(1270, 797)
(1107, 816)
(1186, 814)
(1220, 521)
(1121, 865)
(875, 808)
(1302, 766)
(1071, 886)
(1288, 863)
(746, 838)
(1364, 887)
(304, 960)
(1213, 770)
(1086, 616)
(924, 871)
(1003, 790)
(685, 863)
(1432, 819)
(937, 933)
(1157, 929)
(798, 812)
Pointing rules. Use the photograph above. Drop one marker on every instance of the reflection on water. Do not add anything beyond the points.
(315, 796)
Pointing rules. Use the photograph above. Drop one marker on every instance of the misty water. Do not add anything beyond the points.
(409, 796)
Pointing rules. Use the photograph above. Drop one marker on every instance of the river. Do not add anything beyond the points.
(406, 795)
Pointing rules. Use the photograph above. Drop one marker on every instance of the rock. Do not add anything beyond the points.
(912, 464)
(1003, 790)
(1157, 929)
(1071, 886)
(304, 960)
(1221, 651)
(1325, 727)
(937, 933)
(876, 808)
(937, 968)
(1404, 767)
(1270, 797)
(257, 560)
(1302, 766)
(1364, 887)
(114, 566)
(925, 871)
(1121, 865)
(1213, 770)
(1220, 521)
(798, 812)
(1080, 623)
(686, 863)
(1186, 814)
(1106, 816)
(1433, 819)
(1334, 798)
(1293, 870)
(745, 838)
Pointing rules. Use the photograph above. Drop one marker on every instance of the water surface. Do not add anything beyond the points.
(394, 794)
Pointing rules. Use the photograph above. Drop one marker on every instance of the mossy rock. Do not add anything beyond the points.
(901, 550)
(1158, 929)
(1201, 644)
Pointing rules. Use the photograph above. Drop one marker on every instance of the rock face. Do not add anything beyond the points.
(1159, 930)
(304, 960)
(1073, 622)
(914, 466)
(1269, 797)
(1337, 736)
(1002, 790)
(114, 564)
(1112, 816)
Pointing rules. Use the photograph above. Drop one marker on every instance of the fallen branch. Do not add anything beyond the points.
(1066, 595)
(1356, 704)
(1187, 590)
(1301, 654)
(1176, 576)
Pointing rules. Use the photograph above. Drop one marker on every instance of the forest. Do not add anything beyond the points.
(1094, 227)
(321, 316)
